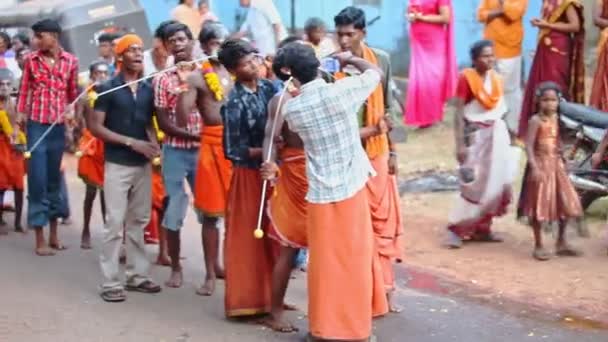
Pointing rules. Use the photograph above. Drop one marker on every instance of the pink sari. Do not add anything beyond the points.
(433, 70)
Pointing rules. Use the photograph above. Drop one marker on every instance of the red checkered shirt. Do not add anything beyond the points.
(165, 97)
(46, 91)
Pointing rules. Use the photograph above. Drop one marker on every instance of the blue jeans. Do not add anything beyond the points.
(43, 174)
(178, 164)
(65, 199)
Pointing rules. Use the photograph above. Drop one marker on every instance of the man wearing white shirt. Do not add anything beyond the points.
(264, 23)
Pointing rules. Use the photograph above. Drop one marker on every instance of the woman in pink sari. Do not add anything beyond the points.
(433, 70)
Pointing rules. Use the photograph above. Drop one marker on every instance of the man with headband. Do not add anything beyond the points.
(123, 120)
(49, 83)
(12, 167)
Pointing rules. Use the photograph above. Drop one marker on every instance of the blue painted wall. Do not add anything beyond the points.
(389, 33)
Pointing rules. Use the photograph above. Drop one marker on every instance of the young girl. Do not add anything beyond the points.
(547, 195)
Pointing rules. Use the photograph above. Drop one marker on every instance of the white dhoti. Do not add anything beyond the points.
(510, 70)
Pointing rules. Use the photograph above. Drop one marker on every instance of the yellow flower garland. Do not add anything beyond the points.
(213, 81)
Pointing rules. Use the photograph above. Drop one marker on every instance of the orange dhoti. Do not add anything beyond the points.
(213, 174)
(383, 196)
(287, 207)
(249, 261)
(12, 166)
(340, 275)
(90, 164)
(158, 197)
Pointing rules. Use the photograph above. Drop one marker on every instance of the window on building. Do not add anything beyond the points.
(377, 3)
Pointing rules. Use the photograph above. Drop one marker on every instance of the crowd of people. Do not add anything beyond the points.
(232, 118)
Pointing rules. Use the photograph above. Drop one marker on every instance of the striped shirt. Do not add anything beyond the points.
(325, 117)
(45, 91)
(165, 97)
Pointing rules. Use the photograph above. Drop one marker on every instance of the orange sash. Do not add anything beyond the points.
(374, 110)
(476, 83)
(90, 164)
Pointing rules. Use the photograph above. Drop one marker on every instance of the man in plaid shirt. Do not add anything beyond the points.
(48, 84)
(181, 146)
(337, 167)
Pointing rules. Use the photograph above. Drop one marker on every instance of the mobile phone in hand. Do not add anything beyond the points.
(330, 64)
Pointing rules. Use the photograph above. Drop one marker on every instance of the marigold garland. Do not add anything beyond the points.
(213, 81)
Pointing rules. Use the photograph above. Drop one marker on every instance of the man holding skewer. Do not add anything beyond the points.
(48, 85)
(123, 120)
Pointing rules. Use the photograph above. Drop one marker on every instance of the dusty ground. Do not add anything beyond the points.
(499, 271)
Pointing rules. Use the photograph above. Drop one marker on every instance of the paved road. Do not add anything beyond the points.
(55, 299)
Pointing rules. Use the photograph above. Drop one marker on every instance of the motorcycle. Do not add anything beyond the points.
(582, 129)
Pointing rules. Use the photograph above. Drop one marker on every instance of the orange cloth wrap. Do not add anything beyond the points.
(340, 271)
(212, 175)
(385, 208)
(375, 110)
(158, 190)
(151, 233)
(90, 164)
(287, 207)
(12, 166)
(249, 261)
(476, 84)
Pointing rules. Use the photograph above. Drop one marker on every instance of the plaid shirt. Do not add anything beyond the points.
(46, 91)
(325, 117)
(165, 97)
(244, 116)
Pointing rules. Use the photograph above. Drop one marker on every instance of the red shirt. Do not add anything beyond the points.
(165, 97)
(463, 90)
(45, 90)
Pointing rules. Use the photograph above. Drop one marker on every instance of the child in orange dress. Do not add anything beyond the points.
(12, 164)
(91, 155)
(547, 194)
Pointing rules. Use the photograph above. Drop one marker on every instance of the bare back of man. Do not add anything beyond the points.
(200, 96)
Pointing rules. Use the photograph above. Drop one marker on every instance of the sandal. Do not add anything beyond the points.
(113, 296)
(146, 287)
(541, 254)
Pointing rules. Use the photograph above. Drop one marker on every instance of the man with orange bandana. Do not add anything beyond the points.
(12, 167)
(206, 90)
(123, 120)
(382, 192)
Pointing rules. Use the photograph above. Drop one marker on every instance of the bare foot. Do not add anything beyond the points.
(44, 251)
(175, 280)
(219, 273)
(279, 324)
(85, 242)
(163, 260)
(289, 307)
(57, 246)
(394, 308)
(207, 289)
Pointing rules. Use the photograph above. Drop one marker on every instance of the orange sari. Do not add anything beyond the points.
(249, 261)
(212, 175)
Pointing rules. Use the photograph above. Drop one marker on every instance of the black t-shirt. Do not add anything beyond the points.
(127, 115)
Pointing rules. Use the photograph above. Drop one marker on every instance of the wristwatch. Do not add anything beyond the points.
(129, 142)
